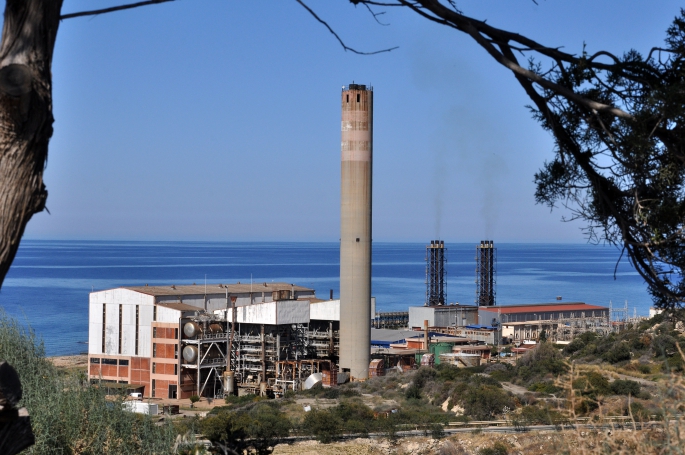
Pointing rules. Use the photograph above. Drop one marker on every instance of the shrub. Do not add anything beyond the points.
(543, 360)
(625, 387)
(485, 402)
(497, 449)
(592, 384)
(585, 407)
(437, 431)
(69, 416)
(324, 425)
(618, 353)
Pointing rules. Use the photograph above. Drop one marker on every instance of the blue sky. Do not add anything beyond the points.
(219, 120)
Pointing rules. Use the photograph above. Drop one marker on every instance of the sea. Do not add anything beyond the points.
(48, 285)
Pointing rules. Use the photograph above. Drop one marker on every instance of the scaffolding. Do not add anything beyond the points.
(486, 273)
(435, 273)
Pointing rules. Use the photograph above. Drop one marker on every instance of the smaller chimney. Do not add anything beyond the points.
(331, 295)
(425, 334)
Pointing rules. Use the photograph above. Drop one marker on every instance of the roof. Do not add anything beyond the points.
(201, 289)
(180, 306)
(542, 307)
(390, 336)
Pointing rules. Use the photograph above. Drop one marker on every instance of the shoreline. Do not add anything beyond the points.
(70, 361)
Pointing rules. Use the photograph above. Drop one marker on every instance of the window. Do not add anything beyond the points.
(109, 361)
(176, 334)
(137, 327)
(121, 317)
(154, 367)
(348, 97)
(94, 360)
(154, 349)
(176, 369)
(123, 362)
(153, 388)
(154, 332)
(104, 323)
(175, 351)
(358, 97)
(154, 313)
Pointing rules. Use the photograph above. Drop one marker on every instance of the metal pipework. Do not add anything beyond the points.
(355, 229)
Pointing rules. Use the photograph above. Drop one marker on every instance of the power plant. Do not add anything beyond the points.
(269, 338)
(355, 229)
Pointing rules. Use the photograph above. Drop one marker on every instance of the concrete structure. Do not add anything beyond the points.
(486, 273)
(560, 321)
(435, 273)
(453, 315)
(355, 229)
(172, 341)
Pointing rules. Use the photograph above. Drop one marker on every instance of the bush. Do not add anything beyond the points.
(539, 362)
(485, 402)
(625, 387)
(497, 449)
(324, 425)
(437, 431)
(592, 384)
(618, 353)
(68, 415)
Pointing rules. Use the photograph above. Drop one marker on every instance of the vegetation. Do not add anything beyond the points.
(68, 416)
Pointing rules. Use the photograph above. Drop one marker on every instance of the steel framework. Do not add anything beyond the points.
(486, 273)
(435, 273)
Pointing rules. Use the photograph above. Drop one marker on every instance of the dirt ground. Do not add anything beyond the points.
(70, 361)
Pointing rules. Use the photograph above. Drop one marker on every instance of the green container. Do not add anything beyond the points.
(440, 348)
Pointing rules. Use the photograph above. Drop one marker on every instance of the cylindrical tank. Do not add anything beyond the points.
(192, 329)
(355, 229)
(440, 348)
(215, 328)
(229, 381)
(190, 354)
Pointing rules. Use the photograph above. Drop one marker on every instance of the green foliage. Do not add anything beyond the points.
(322, 424)
(437, 431)
(69, 416)
(592, 384)
(259, 427)
(585, 406)
(546, 387)
(625, 387)
(238, 401)
(535, 415)
(498, 448)
(540, 362)
(194, 399)
(618, 353)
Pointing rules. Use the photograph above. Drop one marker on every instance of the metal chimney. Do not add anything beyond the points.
(486, 273)
(355, 230)
(435, 273)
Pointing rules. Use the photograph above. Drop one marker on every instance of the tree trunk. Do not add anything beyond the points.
(28, 40)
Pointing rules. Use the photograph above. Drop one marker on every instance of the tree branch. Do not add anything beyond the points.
(95, 12)
(342, 43)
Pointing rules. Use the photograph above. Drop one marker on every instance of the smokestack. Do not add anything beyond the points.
(486, 273)
(425, 334)
(435, 273)
(355, 230)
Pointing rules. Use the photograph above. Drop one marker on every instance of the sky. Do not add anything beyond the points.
(220, 120)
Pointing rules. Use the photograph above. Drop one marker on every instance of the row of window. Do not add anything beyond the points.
(154, 368)
(109, 361)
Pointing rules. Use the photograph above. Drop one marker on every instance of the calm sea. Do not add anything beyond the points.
(48, 285)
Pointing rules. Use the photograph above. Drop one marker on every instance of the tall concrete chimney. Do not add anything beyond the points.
(355, 230)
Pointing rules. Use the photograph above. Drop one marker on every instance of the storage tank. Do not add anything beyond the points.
(190, 354)
(192, 329)
(440, 348)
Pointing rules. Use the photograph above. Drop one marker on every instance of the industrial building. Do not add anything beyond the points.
(172, 341)
(560, 321)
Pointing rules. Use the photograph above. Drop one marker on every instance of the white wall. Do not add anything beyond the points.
(112, 298)
(328, 310)
(273, 313)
